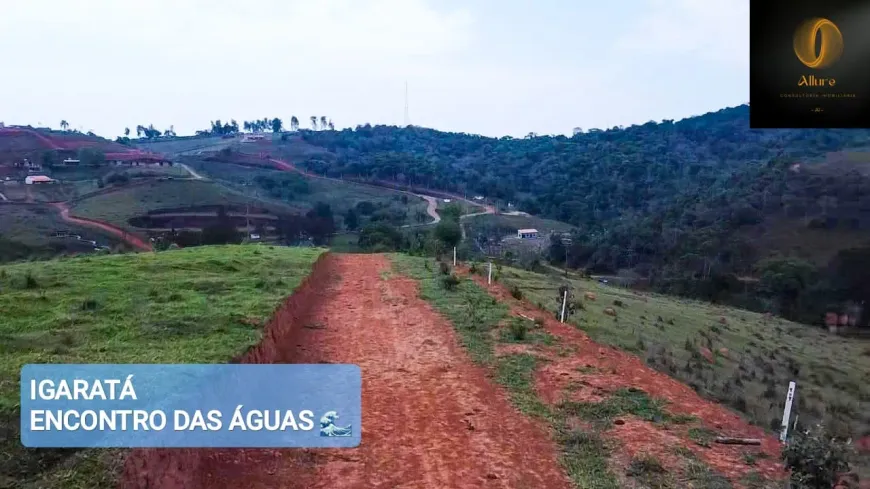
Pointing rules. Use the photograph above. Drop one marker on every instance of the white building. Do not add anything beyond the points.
(250, 138)
(37, 179)
(527, 233)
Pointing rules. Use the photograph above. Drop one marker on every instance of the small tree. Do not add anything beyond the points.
(351, 220)
(448, 232)
(816, 460)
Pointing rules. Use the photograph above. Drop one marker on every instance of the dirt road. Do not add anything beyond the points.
(130, 239)
(195, 175)
(431, 418)
(431, 208)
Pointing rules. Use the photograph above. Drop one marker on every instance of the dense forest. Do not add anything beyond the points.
(690, 207)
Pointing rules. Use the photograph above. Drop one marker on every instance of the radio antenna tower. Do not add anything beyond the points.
(407, 114)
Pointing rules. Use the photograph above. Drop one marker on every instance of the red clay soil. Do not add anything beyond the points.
(431, 418)
(592, 371)
(128, 238)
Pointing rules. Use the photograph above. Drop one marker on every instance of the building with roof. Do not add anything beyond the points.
(527, 233)
(35, 179)
(137, 158)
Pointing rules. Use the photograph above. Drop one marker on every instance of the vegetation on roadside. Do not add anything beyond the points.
(585, 452)
(739, 358)
(197, 305)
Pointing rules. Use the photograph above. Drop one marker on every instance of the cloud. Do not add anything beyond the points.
(707, 30)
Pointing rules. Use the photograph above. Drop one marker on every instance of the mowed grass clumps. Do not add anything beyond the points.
(196, 305)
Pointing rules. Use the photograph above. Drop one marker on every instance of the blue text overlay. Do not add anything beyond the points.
(253, 406)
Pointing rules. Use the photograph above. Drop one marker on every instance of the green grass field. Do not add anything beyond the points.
(33, 227)
(750, 376)
(339, 195)
(120, 206)
(502, 225)
(197, 305)
(174, 146)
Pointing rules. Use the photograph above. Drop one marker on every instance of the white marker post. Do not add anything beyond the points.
(454, 256)
(489, 276)
(564, 303)
(787, 413)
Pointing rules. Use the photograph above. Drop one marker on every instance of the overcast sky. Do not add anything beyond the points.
(492, 67)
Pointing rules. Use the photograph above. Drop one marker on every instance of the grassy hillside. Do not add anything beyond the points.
(303, 193)
(501, 225)
(742, 359)
(197, 305)
(118, 207)
(184, 145)
(27, 231)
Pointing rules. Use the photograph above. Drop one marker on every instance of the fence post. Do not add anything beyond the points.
(787, 413)
(489, 276)
(454, 256)
(564, 303)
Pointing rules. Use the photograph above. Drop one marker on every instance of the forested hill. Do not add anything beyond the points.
(679, 202)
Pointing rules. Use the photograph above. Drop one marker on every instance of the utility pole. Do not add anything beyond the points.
(566, 242)
(407, 111)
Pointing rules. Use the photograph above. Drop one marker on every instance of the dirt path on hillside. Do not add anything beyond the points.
(431, 419)
(195, 175)
(592, 372)
(130, 239)
(432, 202)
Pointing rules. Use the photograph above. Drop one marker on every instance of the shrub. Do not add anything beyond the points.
(516, 293)
(816, 460)
(473, 268)
(450, 282)
(30, 281)
(443, 268)
(518, 330)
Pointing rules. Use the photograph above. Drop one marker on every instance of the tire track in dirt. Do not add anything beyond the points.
(591, 372)
(431, 419)
(128, 238)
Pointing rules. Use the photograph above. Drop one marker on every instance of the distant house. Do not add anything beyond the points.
(35, 179)
(136, 158)
(32, 166)
(478, 197)
(251, 138)
(71, 162)
(527, 233)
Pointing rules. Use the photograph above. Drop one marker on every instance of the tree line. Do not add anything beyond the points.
(683, 205)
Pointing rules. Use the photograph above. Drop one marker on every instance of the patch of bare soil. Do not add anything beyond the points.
(591, 372)
(431, 418)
